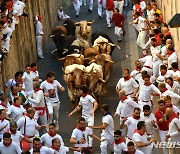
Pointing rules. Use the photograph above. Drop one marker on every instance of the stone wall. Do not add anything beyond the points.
(23, 45)
(169, 9)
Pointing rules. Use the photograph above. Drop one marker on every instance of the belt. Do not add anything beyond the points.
(129, 138)
(147, 67)
(41, 109)
(29, 136)
(144, 101)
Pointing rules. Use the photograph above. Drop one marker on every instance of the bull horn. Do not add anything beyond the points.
(64, 24)
(61, 59)
(77, 23)
(115, 45)
(91, 22)
(77, 51)
(102, 80)
(62, 69)
(108, 60)
(65, 51)
(54, 50)
(51, 36)
(92, 61)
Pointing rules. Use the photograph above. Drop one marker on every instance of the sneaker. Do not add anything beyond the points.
(100, 16)
(77, 15)
(89, 10)
(119, 40)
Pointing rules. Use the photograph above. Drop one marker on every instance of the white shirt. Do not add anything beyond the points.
(150, 14)
(145, 92)
(12, 149)
(172, 58)
(52, 89)
(62, 150)
(126, 108)
(173, 130)
(11, 82)
(37, 99)
(16, 112)
(28, 81)
(175, 109)
(17, 137)
(147, 60)
(44, 150)
(128, 85)
(47, 139)
(138, 138)
(31, 125)
(34, 74)
(118, 148)
(78, 134)
(131, 124)
(109, 130)
(39, 28)
(87, 104)
(148, 120)
(6, 129)
(174, 97)
(136, 74)
(141, 23)
(154, 51)
(143, 5)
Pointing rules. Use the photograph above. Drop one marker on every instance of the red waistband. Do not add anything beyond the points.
(147, 67)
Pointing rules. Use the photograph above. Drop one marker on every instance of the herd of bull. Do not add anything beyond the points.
(83, 64)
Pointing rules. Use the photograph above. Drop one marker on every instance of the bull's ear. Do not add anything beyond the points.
(61, 59)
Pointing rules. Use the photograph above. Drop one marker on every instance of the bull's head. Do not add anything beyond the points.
(84, 29)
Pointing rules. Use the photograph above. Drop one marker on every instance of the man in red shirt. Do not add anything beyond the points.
(118, 19)
(161, 121)
(109, 11)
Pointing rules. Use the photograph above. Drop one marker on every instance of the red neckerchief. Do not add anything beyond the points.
(119, 141)
(175, 70)
(131, 152)
(124, 98)
(49, 81)
(148, 84)
(37, 89)
(28, 116)
(137, 118)
(3, 105)
(52, 135)
(33, 69)
(127, 78)
(169, 53)
(81, 129)
(137, 69)
(54, 148)
(174, 115)
(139, 132)
(2, 119)
(84, 95)
(7, 145)
(16, 105)
(163, 73)
(165, 89)
(170, 106)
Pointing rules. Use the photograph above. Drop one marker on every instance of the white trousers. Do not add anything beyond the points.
(101, 6)
(53, 109)
(7, 44)
(90, 122)
(109, 15)
(156, 65)
(126, 2)
(108, 143)
(76, 6)
(119, 5)
(162, 135)
(118, 31)
(82, 2)
(39, 45)
(42, 119)
(141, 39)
(90, 3)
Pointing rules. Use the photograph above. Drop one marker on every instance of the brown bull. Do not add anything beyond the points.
(90, 53)
(59, 30)
(83, 29)
(73, 59)
(106, 62)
